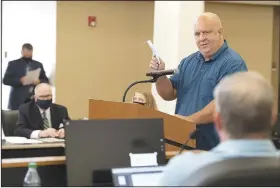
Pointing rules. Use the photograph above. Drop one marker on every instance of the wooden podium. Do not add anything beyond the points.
(175, 129)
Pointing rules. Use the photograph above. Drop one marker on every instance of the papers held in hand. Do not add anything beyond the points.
(153, 48)
(32, 76)
(51, 140)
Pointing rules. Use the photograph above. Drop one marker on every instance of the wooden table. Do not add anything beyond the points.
(53, 160)
(51, 165)
(41, 161)
(32, 150)
(8, 146)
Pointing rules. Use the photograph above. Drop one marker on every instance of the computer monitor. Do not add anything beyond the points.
(94, 147)
(137, 176)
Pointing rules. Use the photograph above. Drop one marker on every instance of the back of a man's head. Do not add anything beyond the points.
(244, 102)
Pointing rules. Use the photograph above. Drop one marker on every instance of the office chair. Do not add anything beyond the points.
(9, 121)
(276, 133)
(276, 128)
(236, 172)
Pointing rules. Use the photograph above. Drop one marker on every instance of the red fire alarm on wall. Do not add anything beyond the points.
(92, 21)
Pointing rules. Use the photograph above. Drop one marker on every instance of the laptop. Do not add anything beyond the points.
(94, 147)
(137, 176)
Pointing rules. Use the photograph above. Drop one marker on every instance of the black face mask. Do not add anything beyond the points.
(140, 103)
(27, 58)
(44, 104)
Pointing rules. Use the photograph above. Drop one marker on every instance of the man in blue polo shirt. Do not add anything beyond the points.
(197, 77)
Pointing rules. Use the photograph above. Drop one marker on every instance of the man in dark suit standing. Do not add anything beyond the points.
(41, 118)
(15, 76)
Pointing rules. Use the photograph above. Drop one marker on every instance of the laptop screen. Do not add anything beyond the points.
(138, 176)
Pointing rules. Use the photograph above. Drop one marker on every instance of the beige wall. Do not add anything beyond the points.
(276, 52)
(101, 62)
(249, 31)
(253, 31)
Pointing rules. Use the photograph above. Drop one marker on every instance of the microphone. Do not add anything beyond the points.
(160, 73)
(192, 135)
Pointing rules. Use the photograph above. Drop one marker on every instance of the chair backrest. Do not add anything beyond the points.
(249, 171)
(9, 121)
(276, 128)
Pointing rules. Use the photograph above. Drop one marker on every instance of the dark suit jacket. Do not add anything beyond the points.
(30, 118)
(15, 70)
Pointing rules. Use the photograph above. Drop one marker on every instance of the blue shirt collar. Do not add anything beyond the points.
(217, 54)
(245, 145)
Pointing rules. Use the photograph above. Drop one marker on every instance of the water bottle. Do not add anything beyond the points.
(32, 178)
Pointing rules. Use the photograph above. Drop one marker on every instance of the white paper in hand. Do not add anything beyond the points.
(51, 140)
(32, 76)
(155, 54)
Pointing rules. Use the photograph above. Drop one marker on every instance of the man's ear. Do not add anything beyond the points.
(218, 121)
(221, 33)
(274, 115)
(220, 128)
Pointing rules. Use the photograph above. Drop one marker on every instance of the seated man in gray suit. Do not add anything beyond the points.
(243, 120)
(41, 118)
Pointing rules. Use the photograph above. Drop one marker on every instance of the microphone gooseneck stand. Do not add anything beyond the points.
(153, 80)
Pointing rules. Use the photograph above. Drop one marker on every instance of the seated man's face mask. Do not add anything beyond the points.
(44, 104)
(44, 101)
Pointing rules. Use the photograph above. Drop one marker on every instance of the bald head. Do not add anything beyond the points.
(43, 88)
(210, 19)
(244, 105)
(209, 32)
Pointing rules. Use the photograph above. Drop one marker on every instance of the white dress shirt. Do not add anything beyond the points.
(35, 134)
(3, 135)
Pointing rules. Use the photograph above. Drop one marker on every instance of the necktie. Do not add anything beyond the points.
(45, 121)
